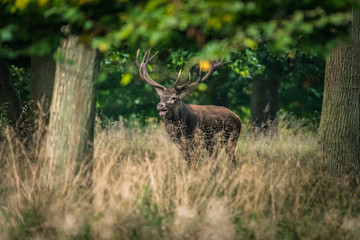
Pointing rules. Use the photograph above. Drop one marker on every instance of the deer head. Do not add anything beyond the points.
(170, 99)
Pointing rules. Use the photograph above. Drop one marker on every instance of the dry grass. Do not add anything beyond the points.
(143, 189)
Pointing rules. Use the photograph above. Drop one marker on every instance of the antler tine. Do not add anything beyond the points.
(153, 55)
(177, 79)
(189, 84)
(145, 59)
(147, 56)
(137, 58)
(184, 86)
(214, 66)
(143, 72)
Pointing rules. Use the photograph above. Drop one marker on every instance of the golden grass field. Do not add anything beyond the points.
(143, 189)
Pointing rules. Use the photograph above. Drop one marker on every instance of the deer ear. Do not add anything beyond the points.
(159, 91)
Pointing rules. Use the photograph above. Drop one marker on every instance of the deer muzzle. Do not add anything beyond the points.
(161, 107)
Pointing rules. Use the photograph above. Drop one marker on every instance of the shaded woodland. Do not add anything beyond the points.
(74, 110)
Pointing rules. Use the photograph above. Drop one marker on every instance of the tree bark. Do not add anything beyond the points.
(72, 112)
(9, 99)
(339, 131)
(264, 103)
(41, 83)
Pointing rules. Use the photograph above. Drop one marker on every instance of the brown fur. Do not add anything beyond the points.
(192, 126)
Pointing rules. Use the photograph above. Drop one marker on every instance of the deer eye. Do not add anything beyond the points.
(173, 99)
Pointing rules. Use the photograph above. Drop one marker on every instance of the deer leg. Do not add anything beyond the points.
(210, 148)
(189, 151)
(188, 158)
(230, 150)
(209, 144)
(185, 151)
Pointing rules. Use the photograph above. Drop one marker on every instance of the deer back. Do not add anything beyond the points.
(213, 119)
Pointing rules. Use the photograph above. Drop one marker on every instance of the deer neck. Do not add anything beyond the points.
(181, 115)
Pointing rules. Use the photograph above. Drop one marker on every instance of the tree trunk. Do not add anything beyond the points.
(339, 132)
(264, 103)
(72, 111)
(9, 99)
(41, 83)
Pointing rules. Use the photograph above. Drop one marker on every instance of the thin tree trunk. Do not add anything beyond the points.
(9, 99)
(339, 132)
(72, 112)
(41, 83)
(264, 103)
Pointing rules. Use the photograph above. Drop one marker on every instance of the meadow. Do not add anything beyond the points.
(142, 188)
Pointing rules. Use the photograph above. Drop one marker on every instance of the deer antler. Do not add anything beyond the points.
(143, 68)
(214, 66)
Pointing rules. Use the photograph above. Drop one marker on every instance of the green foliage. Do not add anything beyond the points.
(28, 225)
(241, 228)
(301, 89)
(300, 76)
(34, 27)
(149, 209)
(122, 93)
(286, 230)
(31, 220)
(246, 63)
(21, 77)
(221, 27)
(215, 27)
(185, 32)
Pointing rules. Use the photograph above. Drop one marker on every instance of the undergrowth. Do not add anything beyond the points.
(142, 188)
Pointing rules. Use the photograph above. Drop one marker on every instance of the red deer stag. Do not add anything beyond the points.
(190, 125)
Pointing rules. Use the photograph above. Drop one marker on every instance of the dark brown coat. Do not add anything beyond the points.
(192, 126)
